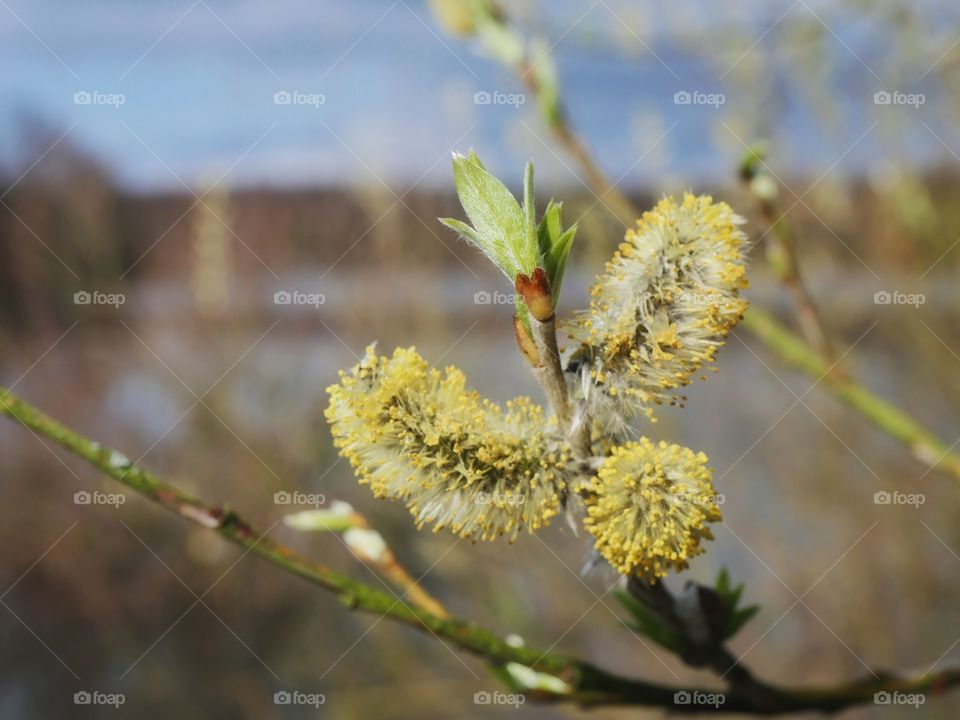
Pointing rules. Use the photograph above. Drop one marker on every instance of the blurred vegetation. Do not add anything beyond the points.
(798, 478)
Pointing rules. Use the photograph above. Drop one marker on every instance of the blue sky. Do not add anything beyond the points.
(198, 81)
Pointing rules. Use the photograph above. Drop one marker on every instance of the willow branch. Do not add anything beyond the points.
(589, 685)
(551, 378)
(384, 562)
(568, 139)
(923, 444)
(783, 248)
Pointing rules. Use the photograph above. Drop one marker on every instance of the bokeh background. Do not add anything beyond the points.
(143, 153)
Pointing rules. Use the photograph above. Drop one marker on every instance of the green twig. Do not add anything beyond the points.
(589, 685)
(923, 444)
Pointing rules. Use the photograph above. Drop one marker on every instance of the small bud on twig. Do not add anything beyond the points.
(535, 291)
(526, 344)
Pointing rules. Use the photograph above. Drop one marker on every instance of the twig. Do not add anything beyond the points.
(589, 685)
(384, 561)
(551, 378)
(784, 260)
(923, 444)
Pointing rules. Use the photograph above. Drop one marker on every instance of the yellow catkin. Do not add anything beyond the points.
(418, 435)
(649, 505)
(662, 308)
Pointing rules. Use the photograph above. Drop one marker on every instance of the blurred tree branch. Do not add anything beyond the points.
(588, 684)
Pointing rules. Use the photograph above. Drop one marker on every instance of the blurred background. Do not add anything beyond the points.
(166, 169)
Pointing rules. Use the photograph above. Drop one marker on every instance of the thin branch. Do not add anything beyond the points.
(589, 685)
(551, 378)
(384, 562)
(923, 444)
(781, 245)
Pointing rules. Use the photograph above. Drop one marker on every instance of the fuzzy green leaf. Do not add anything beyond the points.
(646, 623)
(463, 229)
(735, 617)
(530, 206)
(498, 221)
(739, 619)
(550, 225)
(555, 244)
(475, 159)
(556, 260)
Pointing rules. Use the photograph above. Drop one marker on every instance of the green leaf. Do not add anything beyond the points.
(555, 244)
(530, 206)
(739, 619)
(735, 617)
(465, 230)
(647, 623)
(498, 222)
(475, 159)
(556, 261)
(550, 226)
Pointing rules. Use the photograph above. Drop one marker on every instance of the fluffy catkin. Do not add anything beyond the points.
(663, 306)
(648, 507)
(417, 435)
